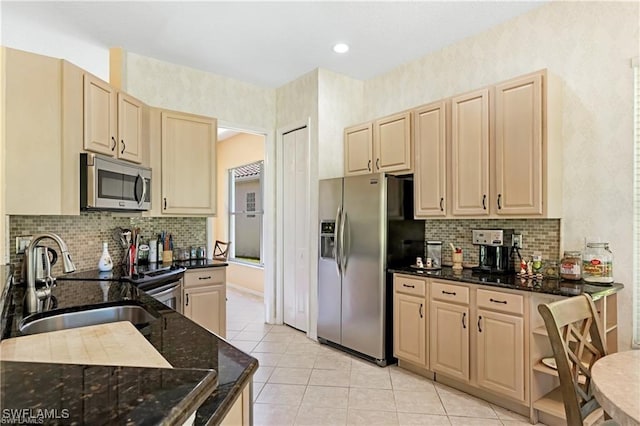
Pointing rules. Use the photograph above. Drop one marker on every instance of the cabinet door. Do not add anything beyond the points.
(358, 150)
(129, 128)
(409, 328)
(518, 146)
(30, 135)
(99, 116)
(470, 153)
(392, 143)
(500, 359)
(449, 340)
(430, 174)
(188, 164)
(206, 306)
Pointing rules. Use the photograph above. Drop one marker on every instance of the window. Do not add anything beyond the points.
(245, 213)
(636, 204)
(251, 203)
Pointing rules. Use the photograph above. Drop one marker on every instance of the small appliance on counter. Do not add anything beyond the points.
(495, 249)
(434, 252)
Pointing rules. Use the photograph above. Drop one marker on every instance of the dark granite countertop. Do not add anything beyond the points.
(201, 263)
(513, 282)
(104, 395)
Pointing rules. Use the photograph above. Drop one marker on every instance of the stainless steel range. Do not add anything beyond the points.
(163, 284)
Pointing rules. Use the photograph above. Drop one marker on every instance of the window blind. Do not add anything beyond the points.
(636, 203)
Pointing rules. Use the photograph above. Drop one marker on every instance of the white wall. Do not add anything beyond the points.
(590, 46)
(339, 105)
(40, 35)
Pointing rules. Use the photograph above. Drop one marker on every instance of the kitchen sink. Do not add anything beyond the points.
(53, 321)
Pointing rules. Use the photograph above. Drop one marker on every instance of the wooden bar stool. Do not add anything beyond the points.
(221, 250)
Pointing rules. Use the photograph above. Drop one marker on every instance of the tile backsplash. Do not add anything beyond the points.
(85, 234)
(539, 235)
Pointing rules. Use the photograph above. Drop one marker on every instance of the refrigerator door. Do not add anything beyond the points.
(363, 280)
(329, 278)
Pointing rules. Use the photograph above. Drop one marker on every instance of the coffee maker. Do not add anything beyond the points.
(495, 249)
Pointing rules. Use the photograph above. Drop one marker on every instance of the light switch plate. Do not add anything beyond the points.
(22, 243)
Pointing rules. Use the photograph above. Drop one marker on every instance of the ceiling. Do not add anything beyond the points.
(271, 43)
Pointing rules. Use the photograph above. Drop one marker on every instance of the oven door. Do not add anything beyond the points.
(169, 294)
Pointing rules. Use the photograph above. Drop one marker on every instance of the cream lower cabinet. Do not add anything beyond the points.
(240, 412)
(500, 352)
(410, 315)
(188, 164)
(205, 298)
(449, 330)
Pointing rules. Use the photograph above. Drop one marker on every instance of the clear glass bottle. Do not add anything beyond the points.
(105, 264)
(597, 263)
(570, 266)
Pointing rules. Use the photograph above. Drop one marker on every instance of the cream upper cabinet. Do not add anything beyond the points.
(410, 315)
(129, 128)
(100, 119)
(358, 150)
(470, 153)
(112, 121)
(31, 133)
(392, 143)
(527, 147)
(188, 164)
(430, 172)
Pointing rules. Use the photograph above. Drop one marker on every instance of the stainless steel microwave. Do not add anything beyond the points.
(110, 184)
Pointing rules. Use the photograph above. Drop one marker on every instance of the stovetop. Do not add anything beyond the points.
(143, 276)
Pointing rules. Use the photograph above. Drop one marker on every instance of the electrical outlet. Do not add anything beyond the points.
(22, 243)
(517, 240)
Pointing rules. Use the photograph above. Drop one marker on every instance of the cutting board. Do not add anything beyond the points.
(117, 343)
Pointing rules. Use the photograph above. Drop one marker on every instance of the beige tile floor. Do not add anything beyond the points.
(300, 382)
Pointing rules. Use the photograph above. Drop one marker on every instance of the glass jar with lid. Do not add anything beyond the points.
(570, 266)
(597, 263)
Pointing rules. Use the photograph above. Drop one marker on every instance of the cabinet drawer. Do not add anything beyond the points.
(409, 285)
(502, 302)
(199, 277)
(449, 292)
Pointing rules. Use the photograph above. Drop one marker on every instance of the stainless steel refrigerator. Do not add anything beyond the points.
(354, 292)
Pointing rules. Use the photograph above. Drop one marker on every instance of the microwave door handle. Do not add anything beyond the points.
(144, 189)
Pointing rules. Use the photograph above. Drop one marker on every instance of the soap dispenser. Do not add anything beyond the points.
(105, 263)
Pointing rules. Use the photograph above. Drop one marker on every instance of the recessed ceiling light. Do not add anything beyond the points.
(341, 48)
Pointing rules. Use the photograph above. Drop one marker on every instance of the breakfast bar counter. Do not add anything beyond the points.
(207, 377)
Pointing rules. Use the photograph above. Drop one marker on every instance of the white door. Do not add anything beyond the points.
(295, 146)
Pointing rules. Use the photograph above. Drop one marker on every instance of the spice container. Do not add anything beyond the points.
(597, 264)
(570, 266)
(551, 269)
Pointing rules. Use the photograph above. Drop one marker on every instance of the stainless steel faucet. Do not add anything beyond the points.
(33, 296)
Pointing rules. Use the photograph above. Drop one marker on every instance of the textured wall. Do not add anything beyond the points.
(589, 45)
(539, 235)
(84, 234)
(339, 106)
(177, 87)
